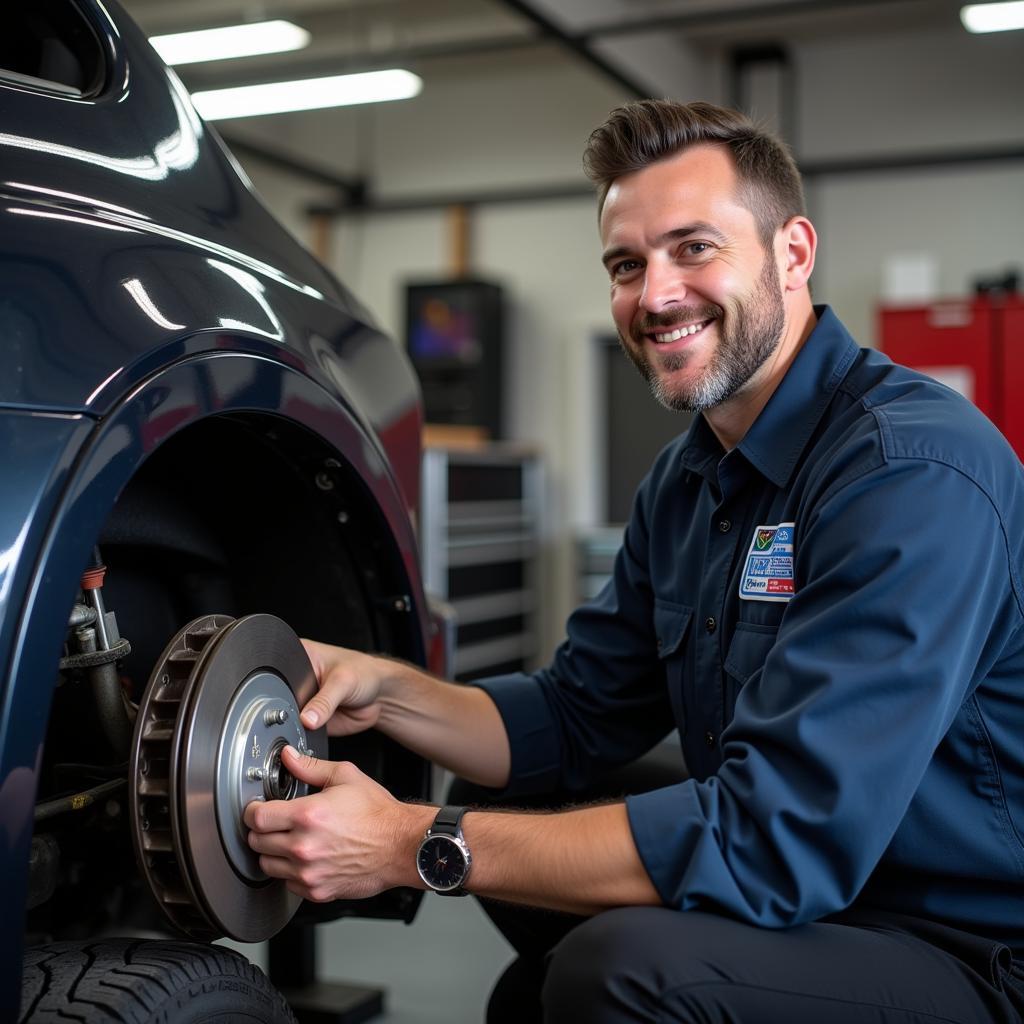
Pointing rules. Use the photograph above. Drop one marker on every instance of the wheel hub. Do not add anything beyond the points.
(220, 706)
(263, 717)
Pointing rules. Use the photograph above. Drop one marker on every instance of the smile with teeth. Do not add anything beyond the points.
(680, 332)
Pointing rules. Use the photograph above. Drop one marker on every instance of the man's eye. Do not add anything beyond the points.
(624, 267)
(698, 248)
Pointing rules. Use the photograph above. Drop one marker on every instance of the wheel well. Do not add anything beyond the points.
(247, 514)
(239, 514)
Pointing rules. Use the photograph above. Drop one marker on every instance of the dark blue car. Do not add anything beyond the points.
(208, 449)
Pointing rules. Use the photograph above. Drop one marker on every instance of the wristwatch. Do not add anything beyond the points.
(443, 858)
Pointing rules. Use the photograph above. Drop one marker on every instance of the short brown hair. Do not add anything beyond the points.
(641, 133)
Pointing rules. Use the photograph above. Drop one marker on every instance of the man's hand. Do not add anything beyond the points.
(354, 839)
(350, 684)
(350, 841)
(455, 726)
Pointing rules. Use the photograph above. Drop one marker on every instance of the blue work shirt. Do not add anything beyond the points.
(854, 728)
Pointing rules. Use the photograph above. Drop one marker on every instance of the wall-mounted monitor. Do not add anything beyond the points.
(454, 334)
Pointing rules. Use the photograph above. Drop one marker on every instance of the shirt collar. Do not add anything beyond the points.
(776, 439)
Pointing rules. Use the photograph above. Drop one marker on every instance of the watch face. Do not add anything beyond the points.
(441, 862)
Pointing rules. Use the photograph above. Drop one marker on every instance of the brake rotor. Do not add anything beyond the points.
(220, 705)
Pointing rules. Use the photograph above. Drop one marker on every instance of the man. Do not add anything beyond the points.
(819, 587)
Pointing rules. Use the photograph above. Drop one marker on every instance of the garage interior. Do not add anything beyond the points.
(909, 131)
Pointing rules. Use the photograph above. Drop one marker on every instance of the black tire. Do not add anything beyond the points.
(132, 981)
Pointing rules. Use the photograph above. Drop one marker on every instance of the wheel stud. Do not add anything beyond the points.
(275, 716)
(255, 774)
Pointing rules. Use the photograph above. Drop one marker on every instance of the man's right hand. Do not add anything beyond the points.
(350, 683)
(456, 726)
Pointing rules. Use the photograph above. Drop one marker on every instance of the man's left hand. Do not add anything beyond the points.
(347, 842)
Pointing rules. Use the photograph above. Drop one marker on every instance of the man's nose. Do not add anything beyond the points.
(664, 287)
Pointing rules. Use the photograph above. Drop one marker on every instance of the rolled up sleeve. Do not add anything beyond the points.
(602, 702)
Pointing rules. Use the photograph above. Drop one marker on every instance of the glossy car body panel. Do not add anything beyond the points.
(128, 238)
(144, 289)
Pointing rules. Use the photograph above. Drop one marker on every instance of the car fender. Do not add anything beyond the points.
(66, 473)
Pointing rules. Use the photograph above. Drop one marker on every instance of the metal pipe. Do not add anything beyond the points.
(95, 597)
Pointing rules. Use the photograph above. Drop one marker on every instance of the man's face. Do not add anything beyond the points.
(696, 299)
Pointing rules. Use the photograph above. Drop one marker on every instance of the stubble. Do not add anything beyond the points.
(755, 331)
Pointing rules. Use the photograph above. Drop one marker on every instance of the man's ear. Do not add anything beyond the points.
(796, 244)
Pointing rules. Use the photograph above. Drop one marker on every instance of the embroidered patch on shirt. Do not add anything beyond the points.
(768, 574)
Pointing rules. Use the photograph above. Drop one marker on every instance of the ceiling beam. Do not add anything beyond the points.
(352, 190)
(883, 164)
(723, 16)
(580, 46)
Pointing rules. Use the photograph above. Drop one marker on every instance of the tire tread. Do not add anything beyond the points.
(128, 981)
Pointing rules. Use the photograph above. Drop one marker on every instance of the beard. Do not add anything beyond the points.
(757, 326)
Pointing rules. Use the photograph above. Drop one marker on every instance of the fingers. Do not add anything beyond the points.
(322, 706)
(307, 768)
(347, 681)
(292, 874)
(318, 844)
(268, 816)
(315, 652)
(273, 844)
(297, 860)
(334, 687)
(279, 867)
(307, 812)
(304, 813)
(316, 711)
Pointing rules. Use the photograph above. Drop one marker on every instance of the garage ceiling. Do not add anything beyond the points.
(634, 42)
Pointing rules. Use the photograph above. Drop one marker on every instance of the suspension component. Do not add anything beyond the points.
(95, 648)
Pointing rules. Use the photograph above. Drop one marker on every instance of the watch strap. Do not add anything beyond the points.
(448, 821)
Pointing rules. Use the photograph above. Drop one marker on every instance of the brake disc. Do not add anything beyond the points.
(220, 705)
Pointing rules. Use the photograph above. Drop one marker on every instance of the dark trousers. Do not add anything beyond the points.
(660, 965)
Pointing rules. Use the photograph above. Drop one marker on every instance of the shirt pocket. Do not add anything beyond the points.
(671, 622)
(750, 645)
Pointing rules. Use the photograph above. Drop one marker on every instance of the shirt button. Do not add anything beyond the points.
(710, 625)
(709, 738)
(724, 526)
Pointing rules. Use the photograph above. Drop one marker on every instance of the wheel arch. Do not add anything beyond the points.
(207, 393)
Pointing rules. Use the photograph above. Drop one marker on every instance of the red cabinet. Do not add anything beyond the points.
(976, 346)
(1011, 372)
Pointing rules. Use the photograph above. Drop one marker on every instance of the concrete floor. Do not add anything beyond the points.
(438, 970)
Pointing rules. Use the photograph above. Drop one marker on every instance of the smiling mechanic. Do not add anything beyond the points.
(819, 588)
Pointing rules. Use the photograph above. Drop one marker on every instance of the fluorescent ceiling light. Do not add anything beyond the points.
(1000, 17)
(307, 94)
(233, 41)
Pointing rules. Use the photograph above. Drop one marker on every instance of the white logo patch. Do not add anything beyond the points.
(768, 573)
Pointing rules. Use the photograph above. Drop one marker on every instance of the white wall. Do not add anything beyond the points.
(497, 122)
(969, 220)
(916, 91)
(938, 91)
